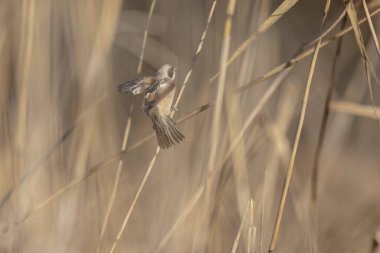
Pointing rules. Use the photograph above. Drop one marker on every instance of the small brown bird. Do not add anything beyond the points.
(158, 90)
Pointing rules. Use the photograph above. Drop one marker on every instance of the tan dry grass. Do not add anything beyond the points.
(64, 180)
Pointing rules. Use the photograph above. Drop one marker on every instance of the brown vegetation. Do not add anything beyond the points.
(278, 101)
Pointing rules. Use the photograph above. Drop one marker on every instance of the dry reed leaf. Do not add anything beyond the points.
(117, 177)
(195, 57)
(370, 24)
(264, 99)
(141, 58)
(286, 107)
(282, 151)
(283, 8)
(134, 201)
(184, 213)
(251, 229)
(360, 42)
(355, 25)
(301, 56)
(262, 211)
(27, 41)
(38, 165)
(214, 137)
(298, 135)
(364, 111)
(240, 164)
(328, 30)
(237, 238)
(322, 129)
(201, 239)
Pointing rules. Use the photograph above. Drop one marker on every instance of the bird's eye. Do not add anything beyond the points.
(171, 73)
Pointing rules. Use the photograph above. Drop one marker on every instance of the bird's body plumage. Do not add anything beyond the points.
(159, 91)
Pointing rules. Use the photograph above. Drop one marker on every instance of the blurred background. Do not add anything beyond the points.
(63, 124)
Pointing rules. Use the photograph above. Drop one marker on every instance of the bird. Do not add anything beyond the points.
(158, 90)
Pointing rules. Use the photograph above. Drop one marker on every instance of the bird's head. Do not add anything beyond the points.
(166, 71)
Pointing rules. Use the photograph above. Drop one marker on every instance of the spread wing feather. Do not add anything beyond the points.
(139, 85)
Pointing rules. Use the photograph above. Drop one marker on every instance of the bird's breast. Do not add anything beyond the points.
(165, 102)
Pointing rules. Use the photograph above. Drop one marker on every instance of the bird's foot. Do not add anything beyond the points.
(174, 108)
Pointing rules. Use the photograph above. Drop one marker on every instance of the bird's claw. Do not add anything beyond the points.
(174, 108)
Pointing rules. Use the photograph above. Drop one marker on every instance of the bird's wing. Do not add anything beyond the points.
(155, 85)
(139, 85)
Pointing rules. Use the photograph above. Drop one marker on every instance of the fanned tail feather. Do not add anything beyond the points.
(166, 131)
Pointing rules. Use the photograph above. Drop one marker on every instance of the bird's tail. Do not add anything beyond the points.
(166, 131)
(136, 86)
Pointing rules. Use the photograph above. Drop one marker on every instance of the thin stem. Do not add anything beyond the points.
(126, 135)
(237, 238)
(298, 136)
(326, 112)
(141, 58)
(147, 173)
